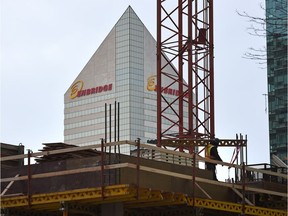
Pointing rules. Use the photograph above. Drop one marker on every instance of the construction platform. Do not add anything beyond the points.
(68, 180)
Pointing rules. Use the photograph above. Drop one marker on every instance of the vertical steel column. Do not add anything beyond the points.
(243, 188)
(191, 121)
(180, 68)
(102, 168)
(118, 138)
(194, 173)
(29, 179)
(118, 122)
(246, 150)
(64, 208)
(237, 171)
(138, 167)
(110, 140)
(110, 129)
(65, 212)
(105, 122)
(211, 65)
(115, 123)
(159, 66)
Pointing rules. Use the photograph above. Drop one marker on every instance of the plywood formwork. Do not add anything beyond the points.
(10, 150)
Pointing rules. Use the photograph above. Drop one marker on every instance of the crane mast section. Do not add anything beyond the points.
(185, 62)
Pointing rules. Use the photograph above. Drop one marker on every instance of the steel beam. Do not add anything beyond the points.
(127, 195)
(188, 143)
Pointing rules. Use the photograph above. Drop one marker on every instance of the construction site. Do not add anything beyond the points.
(165, 176)
(70, 180)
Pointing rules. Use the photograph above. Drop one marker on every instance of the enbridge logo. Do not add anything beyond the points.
(152, 86)
(77, 90)
(151, 83)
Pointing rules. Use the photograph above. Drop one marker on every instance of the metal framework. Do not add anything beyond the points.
(128, 195)
(133, 195)
(185, 69)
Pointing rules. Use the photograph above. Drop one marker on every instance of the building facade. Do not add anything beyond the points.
(276, 29)
(122, 70)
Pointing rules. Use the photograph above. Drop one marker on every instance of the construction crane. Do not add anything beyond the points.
(185, 61)
(185, 52)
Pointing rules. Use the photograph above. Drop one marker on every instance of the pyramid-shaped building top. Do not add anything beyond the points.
(122, 70)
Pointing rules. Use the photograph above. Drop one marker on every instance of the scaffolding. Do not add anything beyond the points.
(137, 184)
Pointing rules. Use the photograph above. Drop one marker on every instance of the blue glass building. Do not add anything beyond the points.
(276, 29)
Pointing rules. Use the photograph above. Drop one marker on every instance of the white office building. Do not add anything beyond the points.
(123, 69)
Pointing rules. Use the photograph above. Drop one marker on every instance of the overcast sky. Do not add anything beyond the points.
(46, 43)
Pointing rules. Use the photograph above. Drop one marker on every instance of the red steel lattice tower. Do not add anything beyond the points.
(185, 69)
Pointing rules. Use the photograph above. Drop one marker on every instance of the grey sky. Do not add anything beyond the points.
(46, 43)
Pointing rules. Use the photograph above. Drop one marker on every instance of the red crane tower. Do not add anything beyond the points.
(185, 62)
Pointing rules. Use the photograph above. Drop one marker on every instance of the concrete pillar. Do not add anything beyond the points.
(115, 209)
